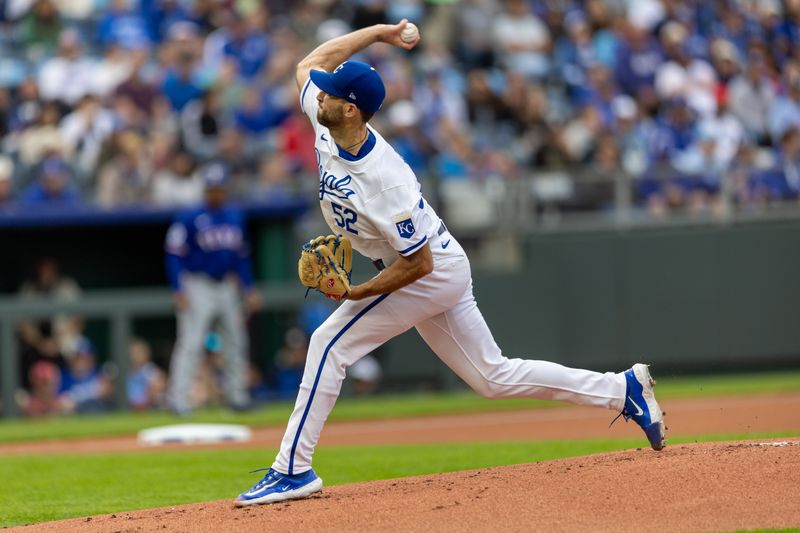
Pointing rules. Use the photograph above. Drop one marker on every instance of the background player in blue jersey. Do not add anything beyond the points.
(208, 262)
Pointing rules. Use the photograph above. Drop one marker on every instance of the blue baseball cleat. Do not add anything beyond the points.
(641, 405)
(276, 487)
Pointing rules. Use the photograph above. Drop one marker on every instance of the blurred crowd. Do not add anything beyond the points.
(59, 369)
(62, 371)
(118, 102)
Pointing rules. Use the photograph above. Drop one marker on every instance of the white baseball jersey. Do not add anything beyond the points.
(373, 198)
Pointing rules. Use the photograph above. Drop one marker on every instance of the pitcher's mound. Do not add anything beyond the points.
(699, 487)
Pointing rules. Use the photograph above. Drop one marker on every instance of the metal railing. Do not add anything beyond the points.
(545, 200)
(120, 308)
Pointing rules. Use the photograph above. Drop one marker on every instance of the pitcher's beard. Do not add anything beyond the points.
(325, 119)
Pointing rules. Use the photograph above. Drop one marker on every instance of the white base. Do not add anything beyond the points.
(194, 434)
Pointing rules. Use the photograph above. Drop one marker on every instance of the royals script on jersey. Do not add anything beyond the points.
(373, 197)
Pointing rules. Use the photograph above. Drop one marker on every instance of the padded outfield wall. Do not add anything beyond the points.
(708, 298)
(691, 298)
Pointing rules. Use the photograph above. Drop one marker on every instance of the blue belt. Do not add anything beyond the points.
(379, 262)
(208, 275)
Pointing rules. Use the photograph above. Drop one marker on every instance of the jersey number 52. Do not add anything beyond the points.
(345, 218)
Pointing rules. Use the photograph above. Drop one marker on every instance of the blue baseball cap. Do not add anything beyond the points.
(54, 165)
(215, 175)
(84, 346)
(354, 81)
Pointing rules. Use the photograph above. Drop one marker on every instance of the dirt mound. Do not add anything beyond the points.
(699, 487)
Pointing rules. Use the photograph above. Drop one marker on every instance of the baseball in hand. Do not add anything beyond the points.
(410, 33)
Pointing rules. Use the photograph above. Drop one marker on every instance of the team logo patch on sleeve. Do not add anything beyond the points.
(405, 227)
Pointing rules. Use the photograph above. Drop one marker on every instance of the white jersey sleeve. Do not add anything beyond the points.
(402, 217)
(308, 101)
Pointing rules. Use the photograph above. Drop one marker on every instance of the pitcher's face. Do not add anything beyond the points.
(331, 110)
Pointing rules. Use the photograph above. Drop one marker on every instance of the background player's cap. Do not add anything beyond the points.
(355, 82)
(215, 175)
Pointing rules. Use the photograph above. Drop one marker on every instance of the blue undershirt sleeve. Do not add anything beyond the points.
(174, 269)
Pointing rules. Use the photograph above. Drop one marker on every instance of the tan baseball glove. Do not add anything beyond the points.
(325, 264)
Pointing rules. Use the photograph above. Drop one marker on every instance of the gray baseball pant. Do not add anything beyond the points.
(209, 298)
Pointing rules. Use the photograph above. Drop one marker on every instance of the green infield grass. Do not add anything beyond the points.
(377, 407)
(37, 488)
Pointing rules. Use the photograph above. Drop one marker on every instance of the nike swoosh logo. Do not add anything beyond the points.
(323, 137)
(446, 244)
(641, 412)
(254, 492)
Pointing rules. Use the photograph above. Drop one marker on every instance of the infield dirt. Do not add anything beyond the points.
(697, 487)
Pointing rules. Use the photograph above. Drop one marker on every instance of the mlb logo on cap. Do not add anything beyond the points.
(354, 81)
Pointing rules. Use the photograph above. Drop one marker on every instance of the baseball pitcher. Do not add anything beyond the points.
(370, 197)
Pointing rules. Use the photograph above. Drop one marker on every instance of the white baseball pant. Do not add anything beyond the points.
(443, 309)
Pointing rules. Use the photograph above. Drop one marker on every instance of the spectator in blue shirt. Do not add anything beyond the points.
(247, 45)
(791, 23)
(145, 382)
(123, 27)
(52, 186)
(161, 15)
(259, 112)
(26, 105)
(83, 386)
(731, 26)
(638, 60)
(575, 52)
(407, 139)
(676, 130)
(599, 91)
(605, 36)
(181, 84)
